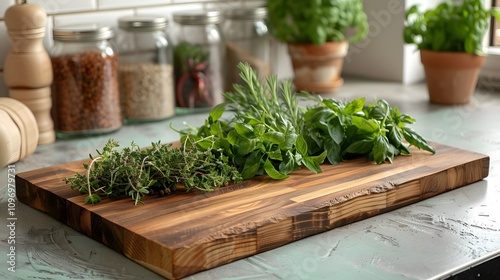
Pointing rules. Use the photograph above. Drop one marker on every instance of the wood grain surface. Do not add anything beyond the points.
(185, 233)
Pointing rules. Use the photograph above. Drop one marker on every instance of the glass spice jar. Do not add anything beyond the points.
(246, 39)
(198, 65)
(145, 68)
(85, 87)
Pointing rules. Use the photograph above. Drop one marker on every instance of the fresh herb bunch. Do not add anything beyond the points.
(264, 135)
(159, 169)
(270, 133)
(452, 27)
(347, 129)
(317, 21)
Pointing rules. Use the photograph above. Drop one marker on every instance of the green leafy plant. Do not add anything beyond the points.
(451, 27)
(268, 132)
(317, 21)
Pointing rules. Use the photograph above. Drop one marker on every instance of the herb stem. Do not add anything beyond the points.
(89, 188)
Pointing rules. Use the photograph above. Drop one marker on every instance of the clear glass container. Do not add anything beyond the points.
(246, 39)
(145, 69)
(198, 65)
(85, 92)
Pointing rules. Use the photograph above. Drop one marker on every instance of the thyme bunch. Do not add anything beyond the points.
(136, 172)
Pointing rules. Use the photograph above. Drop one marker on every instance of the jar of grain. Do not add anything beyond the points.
(85, 87)
(145, 69)
(198, 65)
(246, 39)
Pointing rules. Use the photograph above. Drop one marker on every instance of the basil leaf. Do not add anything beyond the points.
(290, 140)
(245, 130)
(276, 155)
(272, 172)
(311, 164)
(288, 164)
(360, 147)
(301, 146)
(354, 106)
(335, 130)
(319, 159)
(245, 146)
(217, 112)
(252, 165)
(382, 150)
(274, 137)
(368, 126)
(333, 151)
(417, 140)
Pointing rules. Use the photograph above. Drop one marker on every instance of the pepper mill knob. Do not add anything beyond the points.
(28, 68)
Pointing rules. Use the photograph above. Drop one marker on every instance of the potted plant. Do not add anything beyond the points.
(450, 40)
(318, 34)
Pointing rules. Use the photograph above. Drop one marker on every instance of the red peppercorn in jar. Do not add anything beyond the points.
(85, 89)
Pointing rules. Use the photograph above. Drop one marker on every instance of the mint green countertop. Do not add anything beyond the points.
(430, 239)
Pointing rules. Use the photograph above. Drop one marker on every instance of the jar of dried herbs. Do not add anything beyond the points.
(85, 87)
(198, 61)
(145, 68)
(246, 39)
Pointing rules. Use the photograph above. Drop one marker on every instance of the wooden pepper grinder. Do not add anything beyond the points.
(28, 68)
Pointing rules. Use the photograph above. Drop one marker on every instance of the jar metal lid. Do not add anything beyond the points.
(197, 17)
(82, 33)
(143, 23)
(246, 13)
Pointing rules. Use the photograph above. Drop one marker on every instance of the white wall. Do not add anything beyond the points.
(62, 12)
(383, 54)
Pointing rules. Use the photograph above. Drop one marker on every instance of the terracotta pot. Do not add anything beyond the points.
(317, 68)
(451, 76)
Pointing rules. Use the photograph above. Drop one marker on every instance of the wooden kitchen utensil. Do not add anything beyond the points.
(27, 68)
(18, 131)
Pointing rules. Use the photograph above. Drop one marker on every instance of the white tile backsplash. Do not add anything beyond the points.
(105, 18)
(168, 11)
(65, 6)
(224, 5)
(190, 1)
(4, 5)
(106, 4)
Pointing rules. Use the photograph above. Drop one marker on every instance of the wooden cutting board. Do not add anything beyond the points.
(185, 233)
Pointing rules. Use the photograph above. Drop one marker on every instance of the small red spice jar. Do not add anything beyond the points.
(85, 90)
